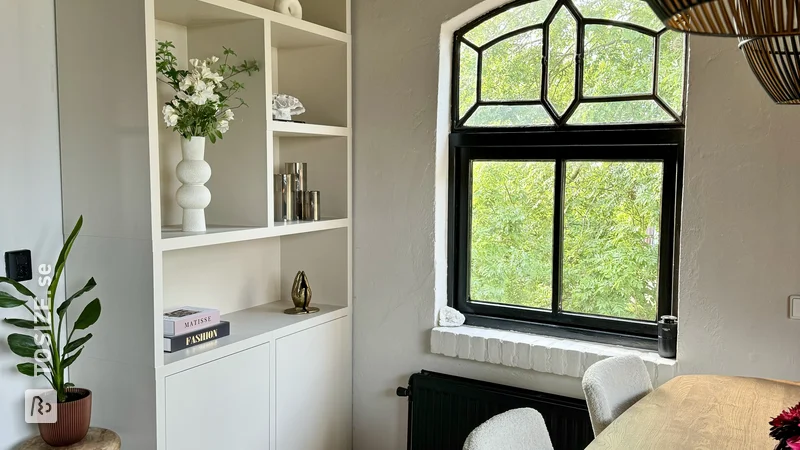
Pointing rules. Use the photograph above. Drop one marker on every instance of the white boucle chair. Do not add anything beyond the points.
(517, 429)
(612, 385)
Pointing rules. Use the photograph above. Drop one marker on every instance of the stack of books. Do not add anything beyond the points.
(188, 326)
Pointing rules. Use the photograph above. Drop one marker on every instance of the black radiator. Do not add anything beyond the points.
(444, 409)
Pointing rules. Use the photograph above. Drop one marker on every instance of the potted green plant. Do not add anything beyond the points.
(53, 346)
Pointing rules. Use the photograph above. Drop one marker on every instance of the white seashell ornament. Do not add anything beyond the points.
(285, 106)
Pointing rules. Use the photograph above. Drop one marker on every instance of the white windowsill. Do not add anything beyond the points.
(540, 353)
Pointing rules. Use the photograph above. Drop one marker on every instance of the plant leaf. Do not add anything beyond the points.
(19, 287)
(69, 385)
(21, 323)
(91, 284)
(89, 315)
(29, 369)
(64, 306)
(68, 362)
(62, 258)
(9, 301)
(76, 344)
(22, 345)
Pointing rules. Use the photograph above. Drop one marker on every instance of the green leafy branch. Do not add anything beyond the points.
(211, 118)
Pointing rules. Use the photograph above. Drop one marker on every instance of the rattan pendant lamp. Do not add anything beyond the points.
(733, 18)
(775, 61)
(768, 32)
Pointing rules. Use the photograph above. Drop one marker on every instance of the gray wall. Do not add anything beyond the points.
(741, 221)
(740, 248)
(30, 211)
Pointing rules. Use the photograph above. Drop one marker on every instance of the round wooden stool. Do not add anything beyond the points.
(96, 439)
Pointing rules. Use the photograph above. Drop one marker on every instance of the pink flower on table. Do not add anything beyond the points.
(785, 428)
(793, 443)
(786, 416)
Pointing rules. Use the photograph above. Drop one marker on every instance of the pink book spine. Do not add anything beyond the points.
(204, 320)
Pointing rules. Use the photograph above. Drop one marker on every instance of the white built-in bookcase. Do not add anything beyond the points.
(118, 171)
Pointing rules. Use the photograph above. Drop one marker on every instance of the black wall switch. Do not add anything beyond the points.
(19, 266)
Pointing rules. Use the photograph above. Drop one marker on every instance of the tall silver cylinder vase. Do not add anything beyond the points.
(284, 197)
(300, 172)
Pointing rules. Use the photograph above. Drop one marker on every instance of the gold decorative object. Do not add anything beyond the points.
(733, 18)
(301, 296)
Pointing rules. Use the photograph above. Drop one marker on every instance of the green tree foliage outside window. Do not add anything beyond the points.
(616, 61)
(612, 209)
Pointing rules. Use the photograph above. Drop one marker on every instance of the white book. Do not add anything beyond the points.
(186, 319)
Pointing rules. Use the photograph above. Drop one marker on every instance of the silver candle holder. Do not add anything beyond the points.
(311, 205)
(299, 171)
(292, 199)
(284, 197)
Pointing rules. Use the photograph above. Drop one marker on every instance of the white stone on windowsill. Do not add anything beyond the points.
(547, 354)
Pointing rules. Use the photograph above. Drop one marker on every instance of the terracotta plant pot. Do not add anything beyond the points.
(73, 419)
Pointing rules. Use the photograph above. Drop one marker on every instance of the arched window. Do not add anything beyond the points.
(565, 152)
(556, 63)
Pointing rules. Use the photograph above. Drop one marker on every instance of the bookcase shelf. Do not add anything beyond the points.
(249, 328)
(172, 238)
(205, 12)
(288, 32)
(245, 263)
(295, 129)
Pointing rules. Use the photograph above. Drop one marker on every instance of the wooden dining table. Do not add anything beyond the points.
(702, 412)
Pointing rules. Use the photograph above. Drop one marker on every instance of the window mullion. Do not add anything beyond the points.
(579, 50)
(455, 103)
(558, 234)
(478, 80)
(667, 237)
(656, 55)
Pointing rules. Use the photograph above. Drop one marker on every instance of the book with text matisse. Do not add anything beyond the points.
(186, 319)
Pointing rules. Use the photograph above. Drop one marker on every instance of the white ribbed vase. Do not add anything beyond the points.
(193, 171)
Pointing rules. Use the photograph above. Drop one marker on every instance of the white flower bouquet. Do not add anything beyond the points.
(201, 104)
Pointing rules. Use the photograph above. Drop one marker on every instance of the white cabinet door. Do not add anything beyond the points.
(220, 405)
(314, 388)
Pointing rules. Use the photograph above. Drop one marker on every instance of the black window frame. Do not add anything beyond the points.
(663, 145)
(560, 143)
(458, 123)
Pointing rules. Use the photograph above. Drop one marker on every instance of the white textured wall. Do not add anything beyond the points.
(741, 220)
(30, 209)
(395, 82)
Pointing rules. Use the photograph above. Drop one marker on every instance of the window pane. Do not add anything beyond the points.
(510, 20)
(618, 61)
(612, 213)
(509, 116)
(671, 60)
(511, 253)
(633, 11)
(512, 68)
(467, 78)
(636, 111)
(561, 64)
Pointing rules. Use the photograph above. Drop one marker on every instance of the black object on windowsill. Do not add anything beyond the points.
(668, 336)
(292, 121)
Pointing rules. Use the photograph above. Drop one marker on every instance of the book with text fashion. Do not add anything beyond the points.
(176, 343)
(187, 319)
